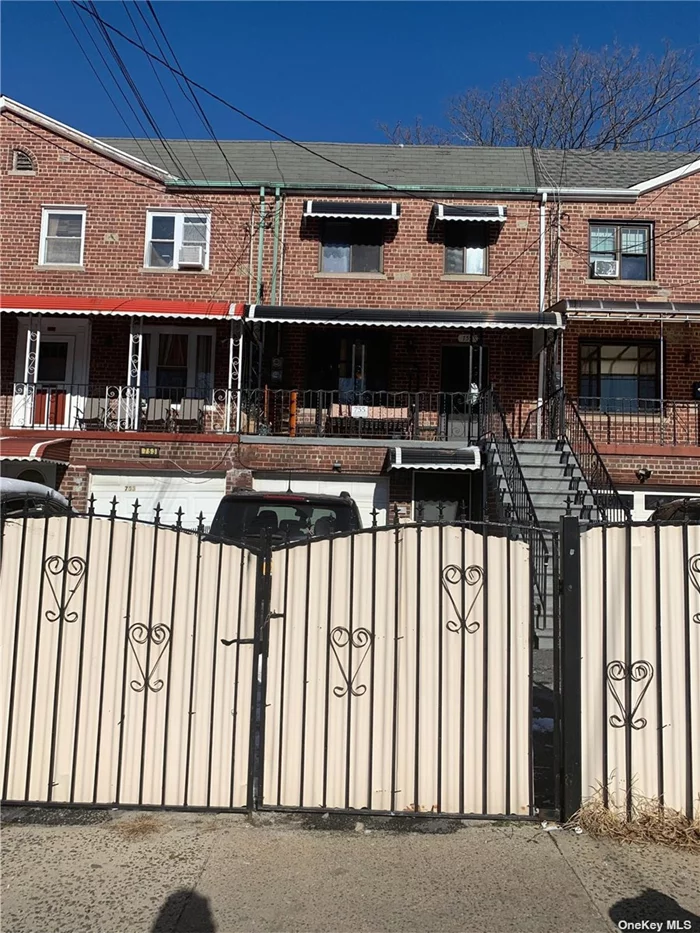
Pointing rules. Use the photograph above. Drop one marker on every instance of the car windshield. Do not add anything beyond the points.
(288, 518)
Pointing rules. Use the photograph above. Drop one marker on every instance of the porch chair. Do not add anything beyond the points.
(92, 415)
(158, 415)
(188, 416)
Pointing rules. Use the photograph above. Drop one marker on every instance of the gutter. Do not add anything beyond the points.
(592, 194)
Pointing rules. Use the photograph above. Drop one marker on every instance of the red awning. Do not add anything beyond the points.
(148, 307)
(54, 450)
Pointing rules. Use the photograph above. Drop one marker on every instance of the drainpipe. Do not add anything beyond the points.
(275, 248)
(261, 247)
(661, 380)
(281, 277)
(542, 355)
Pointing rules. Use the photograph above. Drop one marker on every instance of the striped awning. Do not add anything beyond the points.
(474, 213)
(407, 317)
(125, 307)
(434, 458)
(53, 450)
(353, 210)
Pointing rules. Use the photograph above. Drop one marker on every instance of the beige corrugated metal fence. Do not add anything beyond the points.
(398, 675)
(116, 685)
(640, 676)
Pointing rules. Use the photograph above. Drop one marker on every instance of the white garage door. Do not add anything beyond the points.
(193, 494)
(367, 493)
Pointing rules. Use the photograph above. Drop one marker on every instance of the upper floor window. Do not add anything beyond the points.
(62, 236)
(620, 251)
(351, 246)
(177, 240)
(22, 162)
(466, 249)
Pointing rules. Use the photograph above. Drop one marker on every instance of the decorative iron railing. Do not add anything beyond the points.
(494, 428)
(558, 418)
(641, 421)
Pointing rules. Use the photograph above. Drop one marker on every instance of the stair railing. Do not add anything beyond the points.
(493, 428)
(559, 420)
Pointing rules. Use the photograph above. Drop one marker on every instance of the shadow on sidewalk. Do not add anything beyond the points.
(655, 907)
(185, 911)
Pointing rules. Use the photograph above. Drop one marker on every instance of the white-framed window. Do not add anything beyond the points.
(177, 240)
(177, 362)
(62, 241)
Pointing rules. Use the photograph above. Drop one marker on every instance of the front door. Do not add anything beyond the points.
(54, 389)
(462, 378)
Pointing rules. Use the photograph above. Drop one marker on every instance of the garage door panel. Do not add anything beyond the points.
(191, 494)
(368, 493)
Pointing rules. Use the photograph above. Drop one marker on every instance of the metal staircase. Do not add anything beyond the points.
(554, 469)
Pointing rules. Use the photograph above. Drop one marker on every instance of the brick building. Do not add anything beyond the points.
(170, 330)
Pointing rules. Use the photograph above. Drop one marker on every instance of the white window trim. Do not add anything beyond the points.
(192, 332)
(179, 214)
(45, 213)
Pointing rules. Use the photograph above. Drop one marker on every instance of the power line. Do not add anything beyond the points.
(249, 117)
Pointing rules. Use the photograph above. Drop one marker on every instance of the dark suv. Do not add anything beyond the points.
(288, 516)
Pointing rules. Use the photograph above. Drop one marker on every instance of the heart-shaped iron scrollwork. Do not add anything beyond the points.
(359, 638)
(73, 571)
(473, 577)
(638, 672)
(694, 575)
(157, 636)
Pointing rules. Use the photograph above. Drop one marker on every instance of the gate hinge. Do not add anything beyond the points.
(237, 641)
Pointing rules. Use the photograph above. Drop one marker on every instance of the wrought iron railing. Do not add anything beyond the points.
(494, 429)
(101, 407)
(558, 418)
(666, 422)
(442, 416)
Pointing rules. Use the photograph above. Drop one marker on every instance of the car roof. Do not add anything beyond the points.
(244, 494)
(17, 488)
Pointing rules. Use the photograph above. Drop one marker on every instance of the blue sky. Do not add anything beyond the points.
(314, 70)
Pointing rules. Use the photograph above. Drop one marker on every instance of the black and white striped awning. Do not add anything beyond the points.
(435, 458)
(405, 317)
(471, 212)
(353, 210)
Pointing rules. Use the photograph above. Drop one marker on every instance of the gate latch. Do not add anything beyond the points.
(250, 641)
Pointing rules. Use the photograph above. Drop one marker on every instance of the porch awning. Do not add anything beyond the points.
(397, 317)
(353, 210)
(600, 309)
(128, 307)
(54, 450)
(471, 212)
(434, 458)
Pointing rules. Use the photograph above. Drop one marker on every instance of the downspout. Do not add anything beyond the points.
(275, 248)
(261, 247)
(542, 354)
(661, 381)
(281, 278)
(561, 333)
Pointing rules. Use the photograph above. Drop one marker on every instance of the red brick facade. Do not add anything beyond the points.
(116, 199)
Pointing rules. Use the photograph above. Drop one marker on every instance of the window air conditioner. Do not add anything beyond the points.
(606, 268)
(191, 257)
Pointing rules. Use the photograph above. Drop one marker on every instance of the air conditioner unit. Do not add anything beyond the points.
(606, 268)
(191, 257)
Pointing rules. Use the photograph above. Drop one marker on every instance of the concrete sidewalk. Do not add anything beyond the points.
(107, 872)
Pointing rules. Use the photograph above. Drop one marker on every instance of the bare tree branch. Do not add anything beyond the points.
(613, 98)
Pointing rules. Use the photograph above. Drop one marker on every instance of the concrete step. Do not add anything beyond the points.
(553, 485)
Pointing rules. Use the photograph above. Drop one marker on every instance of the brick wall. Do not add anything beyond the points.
(681, 350)
(116, 199)
(668, 467)
(675, 245)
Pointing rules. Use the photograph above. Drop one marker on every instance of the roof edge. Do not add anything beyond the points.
(82, 139)
(668, 177)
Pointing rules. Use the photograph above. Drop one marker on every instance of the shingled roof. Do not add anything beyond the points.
(282, 163)
(582, 168)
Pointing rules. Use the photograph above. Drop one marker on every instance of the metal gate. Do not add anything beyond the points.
(387, 670)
